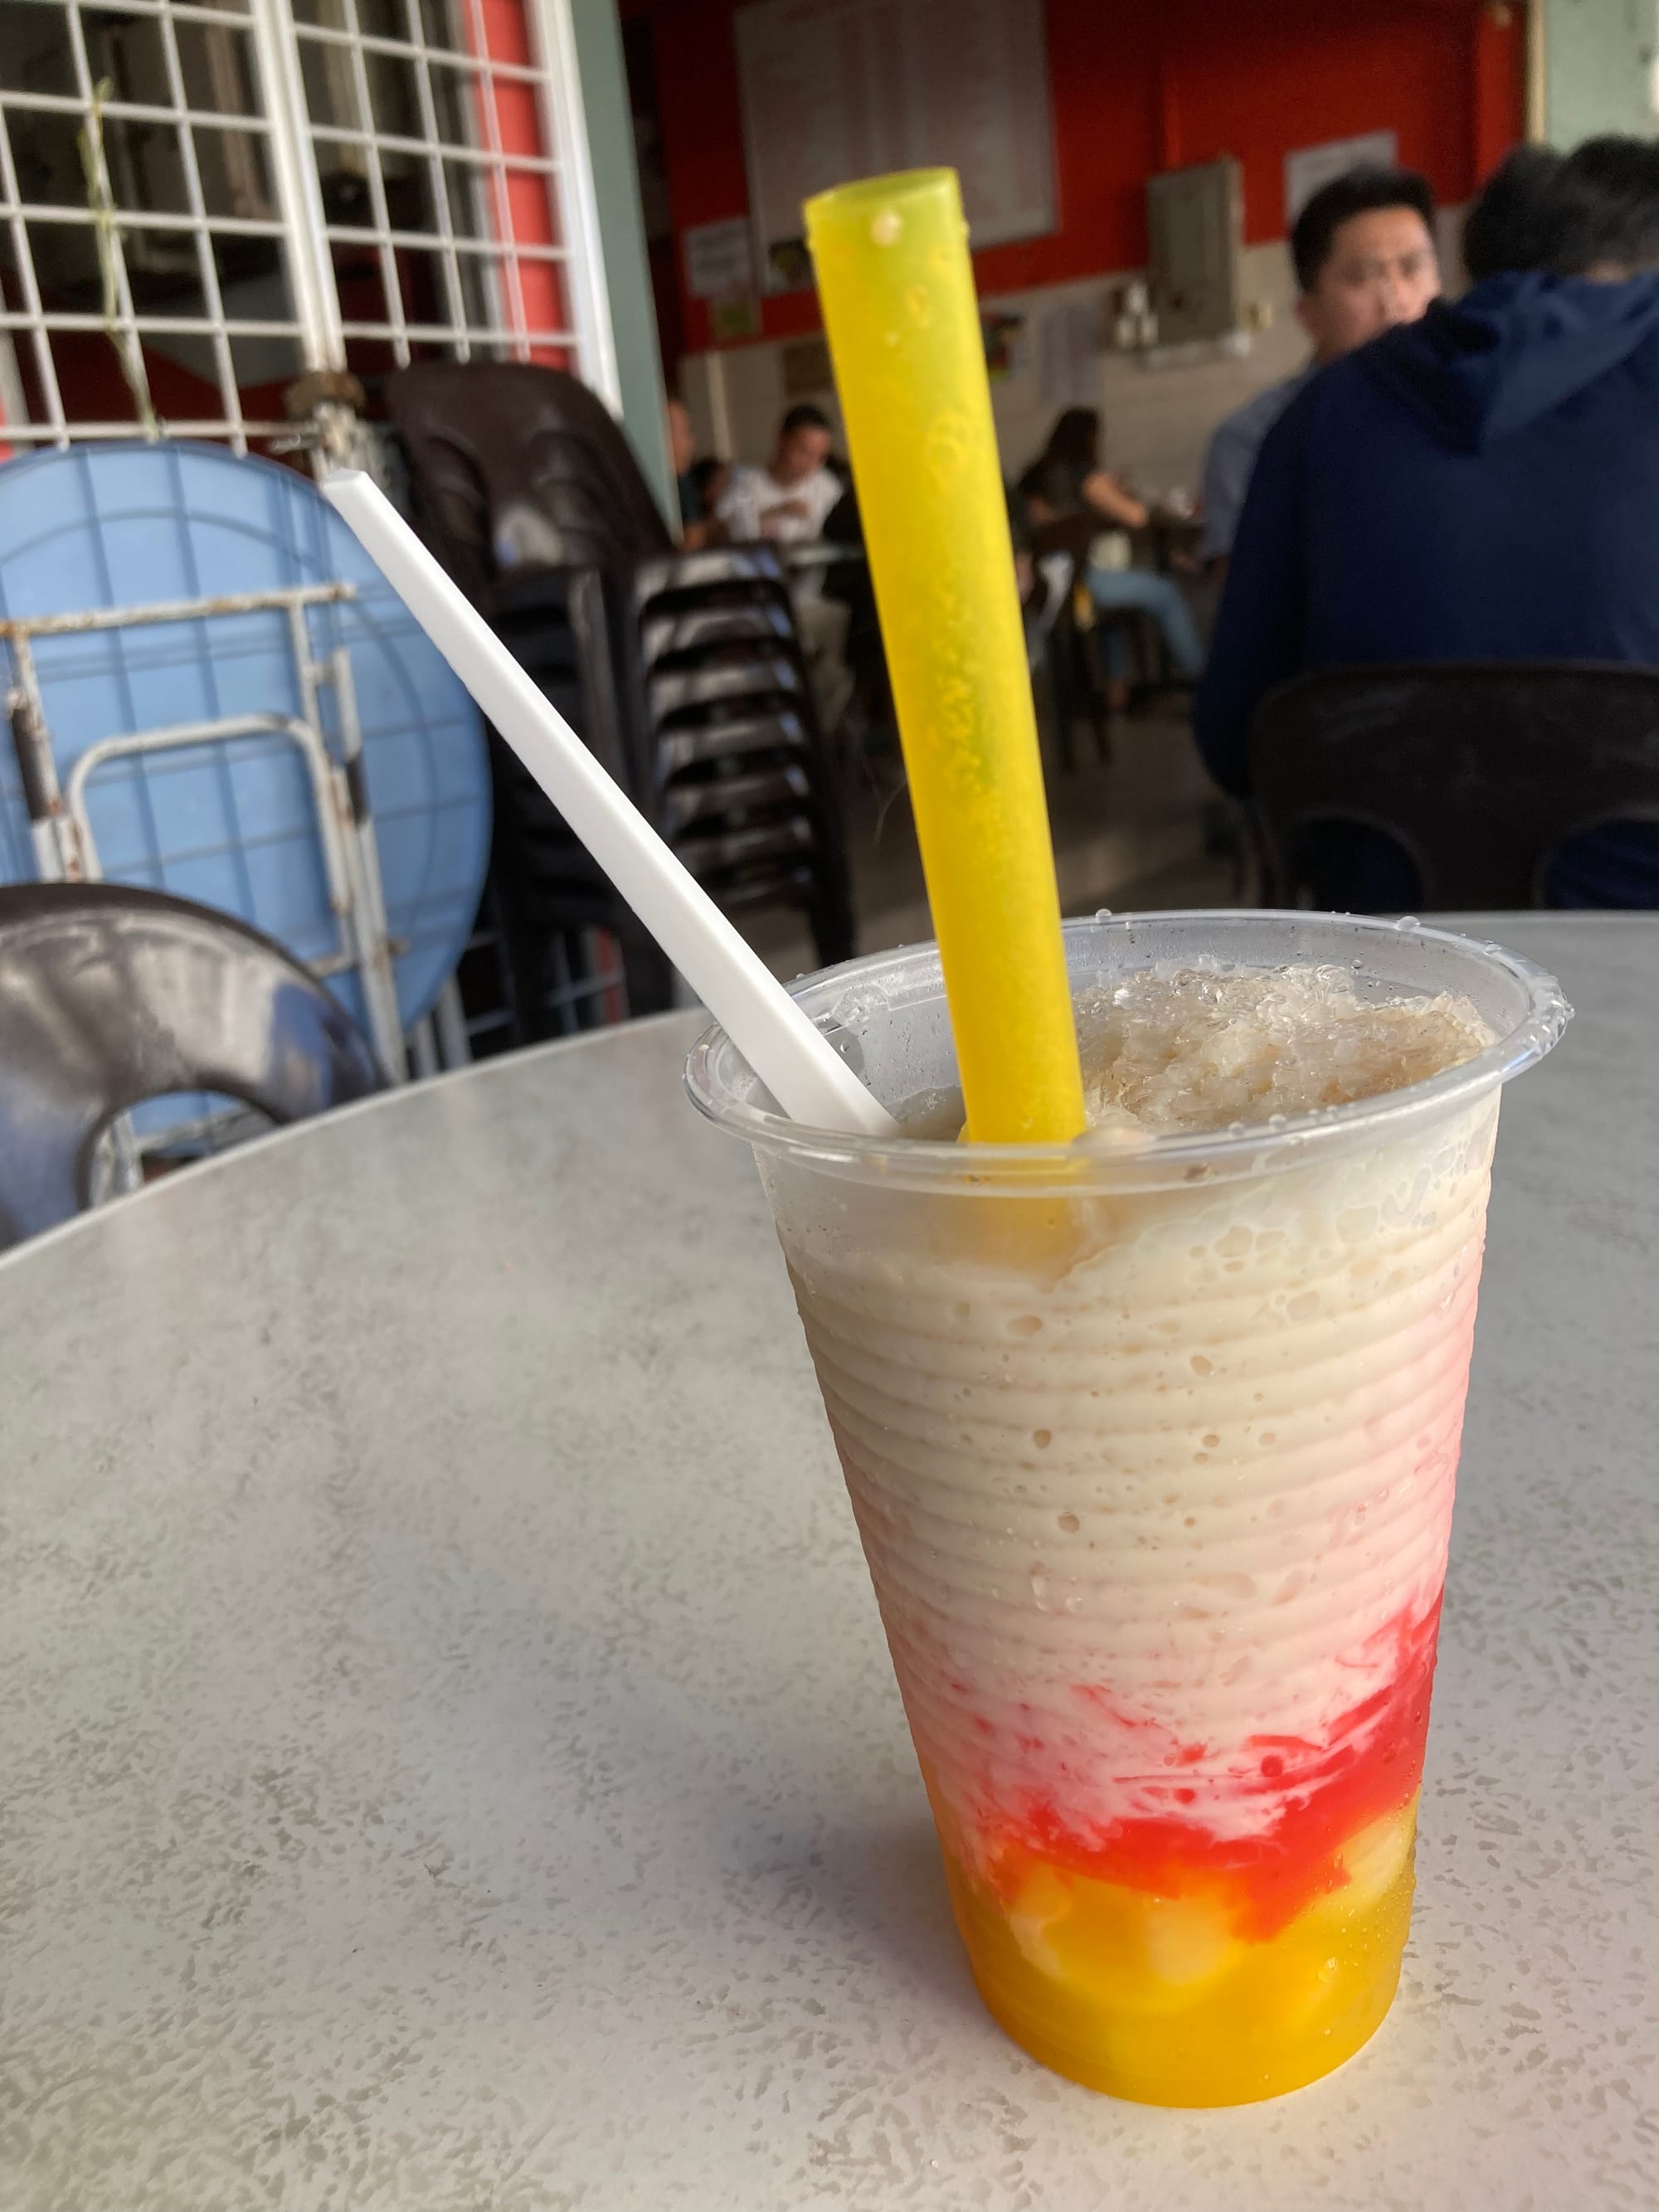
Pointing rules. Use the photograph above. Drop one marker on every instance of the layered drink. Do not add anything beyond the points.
(1152, 1450)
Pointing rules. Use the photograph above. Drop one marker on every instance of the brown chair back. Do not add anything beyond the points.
(516, 467)
(1479, 771)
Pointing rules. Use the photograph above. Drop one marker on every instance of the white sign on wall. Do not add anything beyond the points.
(1311, 167)
(720, 259)
(836, 90)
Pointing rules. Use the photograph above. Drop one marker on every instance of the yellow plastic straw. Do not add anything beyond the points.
(898, 289)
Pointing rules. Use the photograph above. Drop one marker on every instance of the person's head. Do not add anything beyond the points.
(1074, 441)
(1364, 250)
(1594, 212)
(1513, 223)
(711, 475)
(803, 446)
(681, 438)
(1600, 215)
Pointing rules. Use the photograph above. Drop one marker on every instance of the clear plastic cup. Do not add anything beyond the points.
(1152, 1447)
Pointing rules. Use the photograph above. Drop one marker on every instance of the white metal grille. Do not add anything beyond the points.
(292, 184)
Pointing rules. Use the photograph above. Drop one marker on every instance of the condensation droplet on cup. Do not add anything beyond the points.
(887, 227)
(856, 1008)
(1408, 921)
(1039, 1590)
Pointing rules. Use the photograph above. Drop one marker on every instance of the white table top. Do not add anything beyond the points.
(449, 1758)
(818, 553)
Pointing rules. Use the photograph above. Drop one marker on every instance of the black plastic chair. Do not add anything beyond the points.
(779, 729)
(516, 467)
(724, 685)
(109, 996)
(1077, 685)
(1477, 771)
(712, 570)
(743, 795)
(529, 493)
(753, 624)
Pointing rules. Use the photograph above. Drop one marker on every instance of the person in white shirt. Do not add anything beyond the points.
(788, 499)
(788, 503)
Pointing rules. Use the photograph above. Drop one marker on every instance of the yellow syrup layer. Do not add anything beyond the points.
(1157, 1999)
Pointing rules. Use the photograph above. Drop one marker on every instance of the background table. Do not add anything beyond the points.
(451, 1758)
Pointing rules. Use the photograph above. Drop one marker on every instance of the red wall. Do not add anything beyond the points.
(1143, 85)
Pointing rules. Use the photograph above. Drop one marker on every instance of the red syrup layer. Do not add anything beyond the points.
(1367, 1765)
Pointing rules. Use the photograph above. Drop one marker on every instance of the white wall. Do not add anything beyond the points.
(1158, 413)
(1598, 68)
(1158, 416)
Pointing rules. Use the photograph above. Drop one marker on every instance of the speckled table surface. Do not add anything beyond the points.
(450, 1758)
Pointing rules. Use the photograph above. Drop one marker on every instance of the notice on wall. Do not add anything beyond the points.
(1311, 167)
(720, 259)
(1071, 339)
(836, 90)
(806, 368)
(734, 318)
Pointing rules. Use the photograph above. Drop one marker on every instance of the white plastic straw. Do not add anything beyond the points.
(796, 1063)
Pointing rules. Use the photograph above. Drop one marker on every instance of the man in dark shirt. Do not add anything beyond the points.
(1363, 252)
(1482, 484)
(696, 528)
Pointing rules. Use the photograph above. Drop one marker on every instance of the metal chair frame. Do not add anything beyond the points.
(59, 823)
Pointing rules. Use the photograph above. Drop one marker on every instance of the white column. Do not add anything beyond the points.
(1596, 62)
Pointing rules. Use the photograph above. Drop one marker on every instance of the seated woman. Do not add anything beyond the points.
(1068, 482)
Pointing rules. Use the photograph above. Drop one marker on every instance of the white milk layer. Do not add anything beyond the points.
(1155, 1496)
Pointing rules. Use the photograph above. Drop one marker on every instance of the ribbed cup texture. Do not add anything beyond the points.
(1155, 1497)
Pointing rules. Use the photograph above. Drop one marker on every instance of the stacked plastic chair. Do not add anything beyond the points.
(743, 787)
(683, 672)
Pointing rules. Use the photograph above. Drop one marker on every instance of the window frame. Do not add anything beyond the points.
(529, 284)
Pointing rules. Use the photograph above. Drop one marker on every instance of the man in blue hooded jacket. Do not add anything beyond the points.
(1481, 484)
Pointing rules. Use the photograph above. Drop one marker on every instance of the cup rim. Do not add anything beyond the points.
(1151, 1160)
